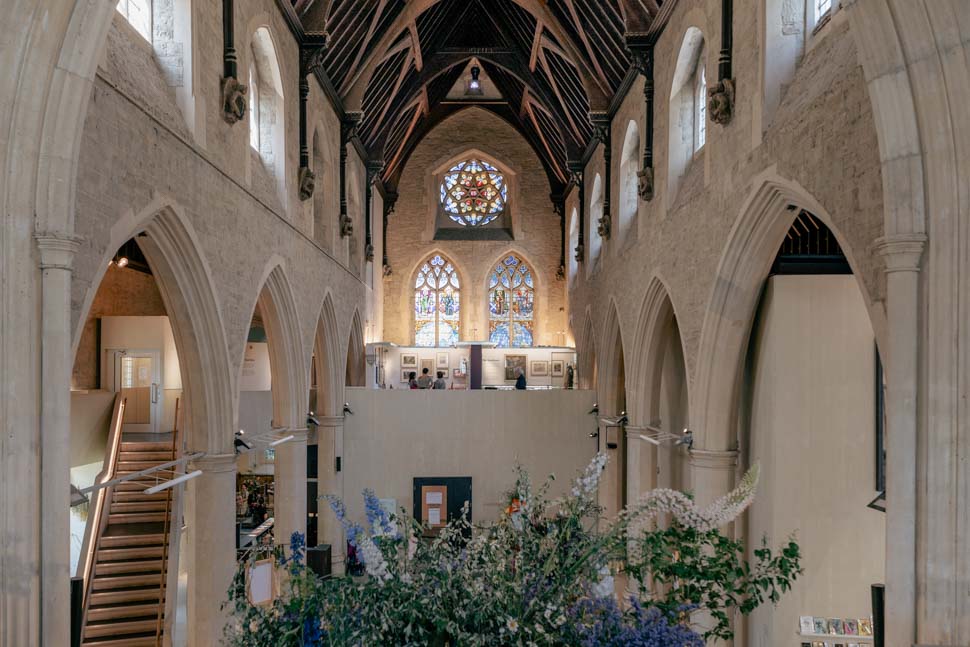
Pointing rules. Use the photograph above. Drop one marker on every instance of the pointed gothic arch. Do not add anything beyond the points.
(356, 360)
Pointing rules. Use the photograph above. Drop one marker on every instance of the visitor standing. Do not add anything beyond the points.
(425, 381)
(412, 380)
(439, 384)
(520, 380)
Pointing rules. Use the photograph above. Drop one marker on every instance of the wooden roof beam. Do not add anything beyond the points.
(585, 39)
(415, 45)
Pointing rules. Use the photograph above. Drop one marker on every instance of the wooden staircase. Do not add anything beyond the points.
(125, 589)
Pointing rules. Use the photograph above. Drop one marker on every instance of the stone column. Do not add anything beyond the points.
(330, 435)
(713, 473)
(211, 542)
(290, 500)
(56, 260)
(902, 255)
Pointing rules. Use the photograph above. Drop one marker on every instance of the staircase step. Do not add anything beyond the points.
(135, 485)
(123, 466)
(117, 611)
(126, 596)
(118, 628)
(128, 566)
(127, 541)
(132, 496)
(138, 506)
(145, 446)
(137, 517)
(138, 552)
(145, 640)
(152, 457)
(114, 582)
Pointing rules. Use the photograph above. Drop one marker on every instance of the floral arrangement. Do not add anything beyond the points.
(542, 574)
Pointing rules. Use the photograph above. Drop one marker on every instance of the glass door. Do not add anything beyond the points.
(137, 378)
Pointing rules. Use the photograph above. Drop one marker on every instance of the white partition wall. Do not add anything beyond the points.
(394, 436)
(812, 427)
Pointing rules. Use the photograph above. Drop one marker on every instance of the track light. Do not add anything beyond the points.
(122, 261)
(347, 408)
(312, 420)
(595, 410)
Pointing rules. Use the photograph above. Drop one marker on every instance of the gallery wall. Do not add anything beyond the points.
(812, 428)
(395, 436)
(493, 365)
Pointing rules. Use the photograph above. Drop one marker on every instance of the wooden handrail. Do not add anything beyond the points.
(97, 520)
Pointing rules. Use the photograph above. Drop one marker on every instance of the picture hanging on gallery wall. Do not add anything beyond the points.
(513, 362)
(427, 363)
(409, 360)
(540, 368)
(558, 368)
(406, 375)
(441, 361)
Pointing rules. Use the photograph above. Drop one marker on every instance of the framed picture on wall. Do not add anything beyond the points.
(409, 360)
(427, 363)
(558, 368)
(406, 375)
(513, 362)
(540, 368)
(441, 361)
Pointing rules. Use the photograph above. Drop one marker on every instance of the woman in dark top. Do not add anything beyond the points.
(412, 380)
(519, 379)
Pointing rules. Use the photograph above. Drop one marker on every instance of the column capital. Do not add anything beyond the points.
(57, 249)
(901, 252)
(726, 460)
(330, 422)
(215, 463)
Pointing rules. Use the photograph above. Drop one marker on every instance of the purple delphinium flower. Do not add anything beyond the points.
(377, 514)
(597, 622)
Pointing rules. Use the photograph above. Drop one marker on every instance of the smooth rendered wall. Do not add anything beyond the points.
(394, 436)
(813, 431)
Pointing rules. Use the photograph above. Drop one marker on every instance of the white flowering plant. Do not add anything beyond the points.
(539, 575)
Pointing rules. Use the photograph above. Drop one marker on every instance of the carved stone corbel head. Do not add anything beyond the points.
(580, 252)
(369, 253)
(645, 183)
(561, 273)
(387, 269)
(720, 105)
(604, 226)
(307, 182)
(346, 226)
(233, 100)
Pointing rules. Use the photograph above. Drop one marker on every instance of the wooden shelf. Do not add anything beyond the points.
(842, 638)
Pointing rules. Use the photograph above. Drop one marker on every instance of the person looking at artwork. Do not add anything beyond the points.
(425, 381)
(520, 384)
(412, 380)
(439, 384)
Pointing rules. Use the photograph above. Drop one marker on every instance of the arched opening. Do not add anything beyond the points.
(810, 416)
(152, 340)
(271, 485)
(266, 116)
(629, 166)
(592, 233)
(688, 108)
(356, 360)
(355, 244)
(612, 403)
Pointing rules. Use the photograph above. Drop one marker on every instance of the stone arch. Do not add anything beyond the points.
(266, 101)
(185, 282)
(683, 125)
(356, 360)
(326, 350)
(586, 354)
(281, 319)
(751, 247)
(629, 167)
(611, 371)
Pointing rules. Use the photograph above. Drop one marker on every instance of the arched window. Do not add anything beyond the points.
(138, 13)
(511, 304)
(573, 244)
(473, 193)
(592, 223)
(700, 106)
(688, 107)
(253, 107)
(629, 166)
(437, 303)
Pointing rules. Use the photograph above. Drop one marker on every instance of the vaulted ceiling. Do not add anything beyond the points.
(551, 61)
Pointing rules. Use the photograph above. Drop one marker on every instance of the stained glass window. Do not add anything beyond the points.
(511, 304)
(474, 193)
(437, 303)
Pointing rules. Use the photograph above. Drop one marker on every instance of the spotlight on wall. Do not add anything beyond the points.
(122, 261)
(594, 434)
(595, 410)
(347, 408)
(687, 439)
(312, 420)
(241, 445)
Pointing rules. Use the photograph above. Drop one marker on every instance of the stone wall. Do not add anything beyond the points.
(410, 229)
